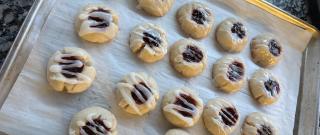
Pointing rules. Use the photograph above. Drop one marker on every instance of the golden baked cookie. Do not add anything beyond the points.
(258, 124)
(220, 117)
(97, 23)
(155, 7)
(232, 35)
(138, 93)
(266, 50)
(70, 70)
(149, 42)
(229, 74)
(182, 107)
(93, 120)
(195, 19)
(264, 87)
(188, 57)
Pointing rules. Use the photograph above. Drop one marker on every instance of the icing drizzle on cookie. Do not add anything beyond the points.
(272, 87)
(141, 93)
(229, 116)
(192, 54)
(235, 71)
(99, 18)
(94, 125)
(184, 105)
(151, 38)
(70, 67)
(264, 130)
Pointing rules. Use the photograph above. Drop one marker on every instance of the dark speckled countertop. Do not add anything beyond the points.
(13, 12)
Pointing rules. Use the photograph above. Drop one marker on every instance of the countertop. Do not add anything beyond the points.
(13, 12)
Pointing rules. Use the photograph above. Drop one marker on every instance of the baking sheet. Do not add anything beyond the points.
(34, 108)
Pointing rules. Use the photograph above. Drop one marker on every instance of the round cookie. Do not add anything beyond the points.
(182, 107)
(264, 87)
(70, 70)
(93, 120)
(148, 42)
(176, 132)
(195, 19)
(97, 23)
(155, 7)
(266, 50)
(220, 117)
(258, 124)
(231, 35)
(229, 74)
(188, 57)
(138, 93)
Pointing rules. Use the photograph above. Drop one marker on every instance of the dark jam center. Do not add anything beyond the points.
(102, 23)
(272, 87)
(140, 88)
(229, 116)
(235, 71)
(192, 54)
(198, 16)
(274, 47)
(71, 69)
(238, 29)
(190, 100)
(151, 40)
(97, 127)
(264, 130)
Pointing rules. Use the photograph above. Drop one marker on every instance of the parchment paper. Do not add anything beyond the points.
(33, 108)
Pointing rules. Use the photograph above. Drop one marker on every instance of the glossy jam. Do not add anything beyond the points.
(139, 88)
(198, 16)
(190, 100)
(235, 71)
(264, 130)
(272, 87)
(229, 116)
(274, 47)
(151, 40)
(101, 23)
(95, 128)
(71, 69)
(192, 54)
(238, 29)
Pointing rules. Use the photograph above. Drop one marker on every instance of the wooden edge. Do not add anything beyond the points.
(307, 112)
(285, 16)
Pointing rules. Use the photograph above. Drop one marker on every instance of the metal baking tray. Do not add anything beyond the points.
(307, 112)
(9, 71)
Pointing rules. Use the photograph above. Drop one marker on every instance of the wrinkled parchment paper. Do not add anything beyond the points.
(33, 108)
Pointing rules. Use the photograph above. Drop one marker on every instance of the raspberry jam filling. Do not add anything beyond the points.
(272, 87)
(274, 47)
(187, 102)
(238, 29)
(264, 130)
(151, 40)
(101, 21)
(235, 71)
(199, 16)
(94, 127)
(70, 67)
(140, 94)
(192, 54)
(229, 116)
